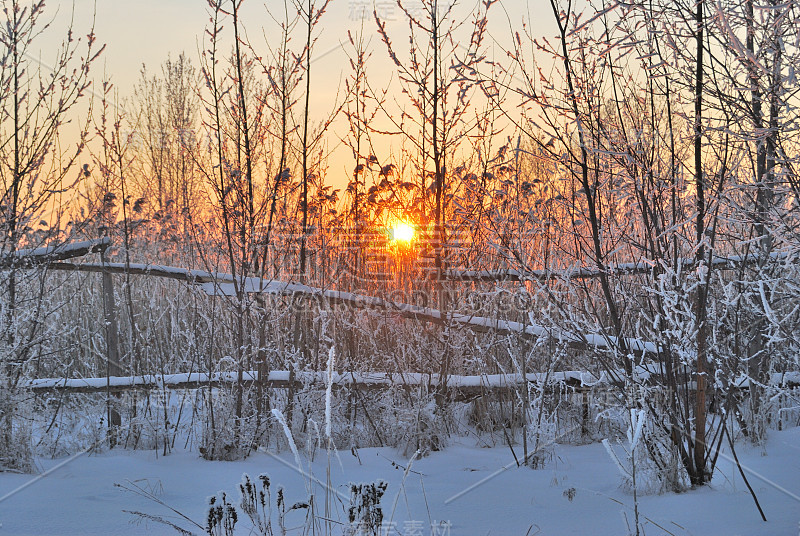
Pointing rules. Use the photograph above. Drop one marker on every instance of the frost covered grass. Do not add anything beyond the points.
(579, 492)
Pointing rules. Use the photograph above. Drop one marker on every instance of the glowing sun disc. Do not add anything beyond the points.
(402, 232)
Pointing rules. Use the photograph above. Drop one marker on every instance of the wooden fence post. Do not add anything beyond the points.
(113, 367)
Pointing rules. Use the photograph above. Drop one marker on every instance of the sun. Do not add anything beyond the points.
(402, 232)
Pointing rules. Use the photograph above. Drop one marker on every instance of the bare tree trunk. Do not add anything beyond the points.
(698, 475)
(590, 191)
(247, 226)
(755, 348)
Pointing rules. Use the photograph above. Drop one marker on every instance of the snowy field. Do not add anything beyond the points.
(459, 491)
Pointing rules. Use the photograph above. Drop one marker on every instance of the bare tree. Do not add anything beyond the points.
(437, 119)
(37, 174)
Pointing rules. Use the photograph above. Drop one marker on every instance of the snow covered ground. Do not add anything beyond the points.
(578, 492)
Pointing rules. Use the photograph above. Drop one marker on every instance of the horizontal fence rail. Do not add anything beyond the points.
(460, 387)
(216, 284)
(29, 258)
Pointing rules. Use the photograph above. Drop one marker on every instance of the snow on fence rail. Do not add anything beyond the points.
(169, 272)
(214, 283)
(46, 254)
(462, 387)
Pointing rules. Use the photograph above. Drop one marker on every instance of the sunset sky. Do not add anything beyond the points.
(146, 32)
